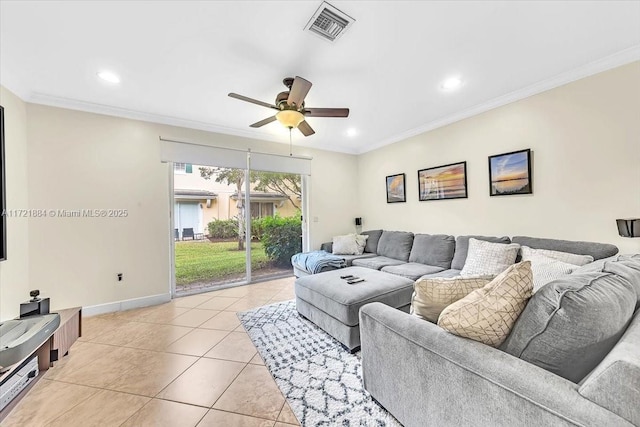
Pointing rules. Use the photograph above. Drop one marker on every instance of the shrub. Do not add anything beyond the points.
(223, 229)
(257, 228)
(282, 238)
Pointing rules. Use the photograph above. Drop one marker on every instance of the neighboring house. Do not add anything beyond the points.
(199, 201)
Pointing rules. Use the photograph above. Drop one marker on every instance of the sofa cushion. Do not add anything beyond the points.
(445, 273)
(547, 269)
(488, 258)
(571, 324)
(348, 259)
(462, 246)
(432, 295)
(526, 252)
(411, 270)
(488, 314)
(376, 262)
(627, 267)
(596, 250)
(433, 249)
(395, 244)
(372, 241)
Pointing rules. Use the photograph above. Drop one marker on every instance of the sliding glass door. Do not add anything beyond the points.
(209, 228)
(232, 225)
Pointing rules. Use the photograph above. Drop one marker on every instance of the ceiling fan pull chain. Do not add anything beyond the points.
(290, 144)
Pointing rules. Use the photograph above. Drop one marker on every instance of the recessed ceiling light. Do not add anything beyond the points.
(108, 76)
(352, 132)
(452, 83)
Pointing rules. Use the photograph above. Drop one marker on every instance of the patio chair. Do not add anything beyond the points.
(188, 233)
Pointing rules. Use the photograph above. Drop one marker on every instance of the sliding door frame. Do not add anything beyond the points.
(247, 218)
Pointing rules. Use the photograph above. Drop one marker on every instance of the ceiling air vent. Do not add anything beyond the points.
(329, 23)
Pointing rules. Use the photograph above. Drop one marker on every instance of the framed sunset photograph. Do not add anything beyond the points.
(395, 188)
(443, 182)
(510, 173)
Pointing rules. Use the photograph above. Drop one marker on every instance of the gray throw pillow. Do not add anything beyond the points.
(572, 323)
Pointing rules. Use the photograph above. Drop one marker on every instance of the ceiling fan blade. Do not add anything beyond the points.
(299, 91)
(326, 112)
(305, 128)
(251, 100)
(264, 122)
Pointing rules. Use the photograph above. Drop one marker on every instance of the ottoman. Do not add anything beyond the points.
(333, 305)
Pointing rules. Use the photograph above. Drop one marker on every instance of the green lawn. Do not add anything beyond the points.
(205, 261)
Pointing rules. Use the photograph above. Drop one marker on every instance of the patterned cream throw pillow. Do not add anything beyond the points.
(488, 258)
(432, 295)
(488, 314)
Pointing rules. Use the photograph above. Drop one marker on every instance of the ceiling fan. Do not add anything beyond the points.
(291, 109)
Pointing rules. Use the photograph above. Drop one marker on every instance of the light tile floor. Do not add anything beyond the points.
(185, 363)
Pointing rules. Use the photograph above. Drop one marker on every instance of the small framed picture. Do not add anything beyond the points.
(510, 173)
(395, 188)
(443, 182)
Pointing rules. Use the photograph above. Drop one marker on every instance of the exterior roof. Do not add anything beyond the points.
(194, 194)
(261, 196)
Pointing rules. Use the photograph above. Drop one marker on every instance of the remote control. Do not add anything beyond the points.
(353, 281)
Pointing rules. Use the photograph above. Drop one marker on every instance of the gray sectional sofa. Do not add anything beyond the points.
(547, 376)
(438, 255)
(572, 359)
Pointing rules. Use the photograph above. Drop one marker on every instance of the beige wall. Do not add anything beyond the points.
(14, 272)
(585, 139)
(81, 160)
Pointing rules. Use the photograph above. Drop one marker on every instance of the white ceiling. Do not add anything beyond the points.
(178, 59)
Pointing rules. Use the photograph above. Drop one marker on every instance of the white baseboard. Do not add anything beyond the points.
(110, 307)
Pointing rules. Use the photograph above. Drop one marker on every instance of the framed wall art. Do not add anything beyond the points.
(510, 173)
(443, 182)
(396, 191)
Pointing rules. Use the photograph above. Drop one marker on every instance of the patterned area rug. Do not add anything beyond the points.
(321, 380)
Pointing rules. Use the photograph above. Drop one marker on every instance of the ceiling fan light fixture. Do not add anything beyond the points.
(290, 118)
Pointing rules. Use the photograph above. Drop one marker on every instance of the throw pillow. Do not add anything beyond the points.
(567, 257)
(571, 324)
(489, 259)
(361, 241)
(547, 269)
(434, 294)
(488, 314)
(345, 245)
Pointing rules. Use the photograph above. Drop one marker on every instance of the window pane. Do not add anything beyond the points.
(267, 209)
(255, 210)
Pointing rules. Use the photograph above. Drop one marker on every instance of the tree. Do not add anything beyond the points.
(283, 183)
(287, 184)
(230, 177)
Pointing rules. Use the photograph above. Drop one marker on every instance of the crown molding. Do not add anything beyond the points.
(91, 107)
(612, 61)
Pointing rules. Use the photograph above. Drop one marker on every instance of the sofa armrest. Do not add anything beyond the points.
(424, 375)
(327, 246)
